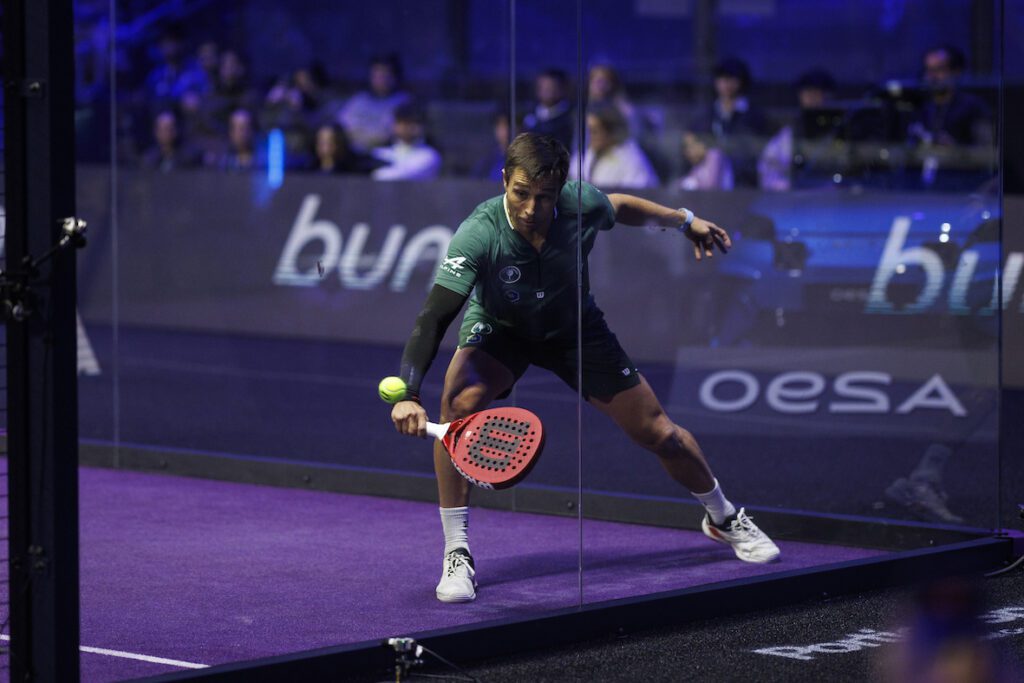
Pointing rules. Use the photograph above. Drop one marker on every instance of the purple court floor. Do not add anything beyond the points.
(199, 572)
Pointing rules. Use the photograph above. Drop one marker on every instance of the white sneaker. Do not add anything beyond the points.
(748, 542)
(457, 583)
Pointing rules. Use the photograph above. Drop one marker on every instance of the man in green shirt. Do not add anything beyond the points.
(515, 259)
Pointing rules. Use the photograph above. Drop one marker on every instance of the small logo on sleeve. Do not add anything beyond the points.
(453, 265)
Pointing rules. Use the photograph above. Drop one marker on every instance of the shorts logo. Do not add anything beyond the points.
(512, 296)
(509, 274)
(626, 372)
(482, 328)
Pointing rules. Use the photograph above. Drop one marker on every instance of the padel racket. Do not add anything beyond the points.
(495, 448)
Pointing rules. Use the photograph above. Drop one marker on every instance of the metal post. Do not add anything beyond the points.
(42, 376)
(981, 59)
(705, 49)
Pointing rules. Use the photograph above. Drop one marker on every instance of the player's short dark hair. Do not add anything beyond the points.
(538, 156)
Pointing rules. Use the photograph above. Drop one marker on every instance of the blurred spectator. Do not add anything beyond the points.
(368, 116)
(230, 93)
(951, 127)
(201, 129)
(949, 116)
(208, 59)
(242, 154)
(795, 156)
(710, 168)
(737, 126)
(612, 159)
(175, 74)
(409, 157)
(334, 153)
(552, 115)
(292, 104)
(605, 85)
(489, 167)
(302, 92)
(169, 152)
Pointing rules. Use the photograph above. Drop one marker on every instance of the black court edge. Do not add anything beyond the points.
(556, 628)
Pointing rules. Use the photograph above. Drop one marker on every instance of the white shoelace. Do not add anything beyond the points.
(745, 524)
(454, 561)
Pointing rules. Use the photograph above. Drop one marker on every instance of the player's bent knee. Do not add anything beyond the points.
(671, 441)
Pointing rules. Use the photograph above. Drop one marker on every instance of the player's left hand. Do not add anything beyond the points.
(705, 236)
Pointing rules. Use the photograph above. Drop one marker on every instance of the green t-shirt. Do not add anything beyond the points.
(532, 294)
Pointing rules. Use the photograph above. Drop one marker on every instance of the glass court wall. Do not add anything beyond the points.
(842, 359)
(249, 282)
(283, 182)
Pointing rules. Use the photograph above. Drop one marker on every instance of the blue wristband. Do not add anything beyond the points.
(689, 218)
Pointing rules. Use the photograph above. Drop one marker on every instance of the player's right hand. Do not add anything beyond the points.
(706, 236)
(410, 418)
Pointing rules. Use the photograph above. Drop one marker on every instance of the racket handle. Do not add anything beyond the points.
(437, 431)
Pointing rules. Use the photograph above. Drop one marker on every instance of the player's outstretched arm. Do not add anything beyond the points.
(705, 235)
(438, 312)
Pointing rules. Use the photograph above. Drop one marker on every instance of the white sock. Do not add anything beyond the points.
(715, 503)
(455, 521)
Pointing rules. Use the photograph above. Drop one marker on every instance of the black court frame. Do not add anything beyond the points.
(42, 384)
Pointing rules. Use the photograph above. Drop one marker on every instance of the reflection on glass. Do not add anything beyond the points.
(842, 359)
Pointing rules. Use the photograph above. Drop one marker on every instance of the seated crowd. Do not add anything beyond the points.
(203, 111)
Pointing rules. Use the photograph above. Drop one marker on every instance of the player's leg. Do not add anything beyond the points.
(473, 380)
(639, 414)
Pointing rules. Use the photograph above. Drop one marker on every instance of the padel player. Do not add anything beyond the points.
(516, 256)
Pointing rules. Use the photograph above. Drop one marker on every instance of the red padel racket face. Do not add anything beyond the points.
(495, 448)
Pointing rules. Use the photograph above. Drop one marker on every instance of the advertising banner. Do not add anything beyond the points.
(850, 306)
(352, 259)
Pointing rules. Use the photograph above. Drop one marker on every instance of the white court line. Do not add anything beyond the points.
(132, 655)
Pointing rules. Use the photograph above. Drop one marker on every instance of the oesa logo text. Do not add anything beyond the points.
(320, 244)
(801, 392)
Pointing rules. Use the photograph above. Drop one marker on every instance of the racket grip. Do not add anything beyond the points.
(437, 431)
